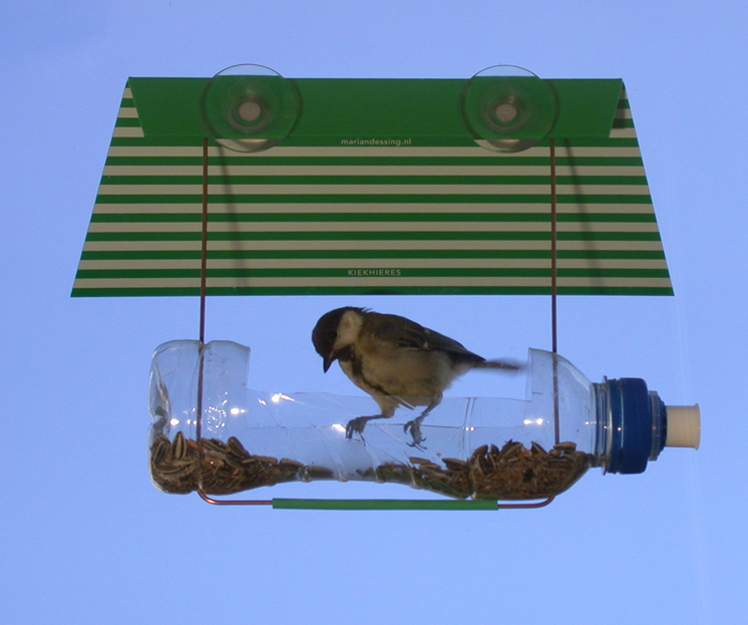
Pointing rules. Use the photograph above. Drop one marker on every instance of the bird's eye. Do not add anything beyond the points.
(332, 335)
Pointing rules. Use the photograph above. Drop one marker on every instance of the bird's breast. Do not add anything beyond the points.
(414, 375)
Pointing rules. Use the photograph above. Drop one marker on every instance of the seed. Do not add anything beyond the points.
(235, 445)
(417, 460)
(318, 473)
(266, 459)
(212, 443)
(510, 449)
(290, 464)
(178, 446)
(430, 466)
(537, 449)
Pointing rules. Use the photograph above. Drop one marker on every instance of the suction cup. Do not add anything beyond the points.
(248, 108)
(507, 108)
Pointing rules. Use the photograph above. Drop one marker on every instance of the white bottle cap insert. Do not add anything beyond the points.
(683, 426)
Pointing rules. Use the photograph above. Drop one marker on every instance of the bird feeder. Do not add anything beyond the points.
(249, 183)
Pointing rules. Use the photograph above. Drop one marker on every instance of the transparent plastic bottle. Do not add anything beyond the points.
(481, 448)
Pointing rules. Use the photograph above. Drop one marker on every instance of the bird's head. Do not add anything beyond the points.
(335, 331)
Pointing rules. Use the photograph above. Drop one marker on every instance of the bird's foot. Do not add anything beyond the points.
(356, 425)
(415, 431)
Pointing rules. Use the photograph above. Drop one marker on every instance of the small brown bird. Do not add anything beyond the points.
(396, 360)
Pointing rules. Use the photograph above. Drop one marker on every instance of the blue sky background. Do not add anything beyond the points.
(85, 537)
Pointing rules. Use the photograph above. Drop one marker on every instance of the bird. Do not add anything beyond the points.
(395, 360)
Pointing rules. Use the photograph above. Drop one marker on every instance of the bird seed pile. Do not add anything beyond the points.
(227, 467)
(512, 472)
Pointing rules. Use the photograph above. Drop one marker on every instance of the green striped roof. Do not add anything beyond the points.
(379, 189)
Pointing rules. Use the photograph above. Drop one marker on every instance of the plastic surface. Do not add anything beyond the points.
(378, 188)
(479, 448)
(507, 108)
(249, 108)
(632, 425)
(683, 426)
(640, 425)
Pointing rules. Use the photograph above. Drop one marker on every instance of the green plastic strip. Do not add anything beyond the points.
(384, 504)
(374, 107)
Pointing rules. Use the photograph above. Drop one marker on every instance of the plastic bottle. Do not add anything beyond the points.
(483, 448)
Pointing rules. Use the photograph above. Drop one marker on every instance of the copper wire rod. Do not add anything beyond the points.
(204, 243)
(203, 285)
(203, 276)
(233, 502)
(267, 502)
(554, 250)
(539, 504)
(554, 291)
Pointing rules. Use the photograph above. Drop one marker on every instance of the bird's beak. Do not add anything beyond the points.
(327, 361)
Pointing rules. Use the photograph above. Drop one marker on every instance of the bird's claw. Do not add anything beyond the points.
(415, 431)
(356, 425)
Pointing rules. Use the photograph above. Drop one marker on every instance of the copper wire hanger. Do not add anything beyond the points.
(371, 504)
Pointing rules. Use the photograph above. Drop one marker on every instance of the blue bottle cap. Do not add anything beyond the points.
(634, 422)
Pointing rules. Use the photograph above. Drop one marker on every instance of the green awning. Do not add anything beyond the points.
(378, 189)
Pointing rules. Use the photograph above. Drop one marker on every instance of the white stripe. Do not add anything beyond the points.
(372, 189)
(351, 281)
(350, 263)
(369, 208)
(301, 246)
(622, 133)
(374, 170)
(127, 112)
(402, 151)
(375, 226)
(160, 151)
(127, 131)
(309, 152)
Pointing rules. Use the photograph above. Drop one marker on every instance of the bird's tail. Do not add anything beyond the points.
(506, 365)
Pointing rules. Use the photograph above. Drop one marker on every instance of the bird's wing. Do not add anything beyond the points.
(406, 333)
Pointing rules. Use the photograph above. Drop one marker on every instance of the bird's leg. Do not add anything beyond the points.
(415, 425)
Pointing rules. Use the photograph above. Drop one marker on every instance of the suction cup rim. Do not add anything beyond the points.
(507, 108)
(248, 108)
